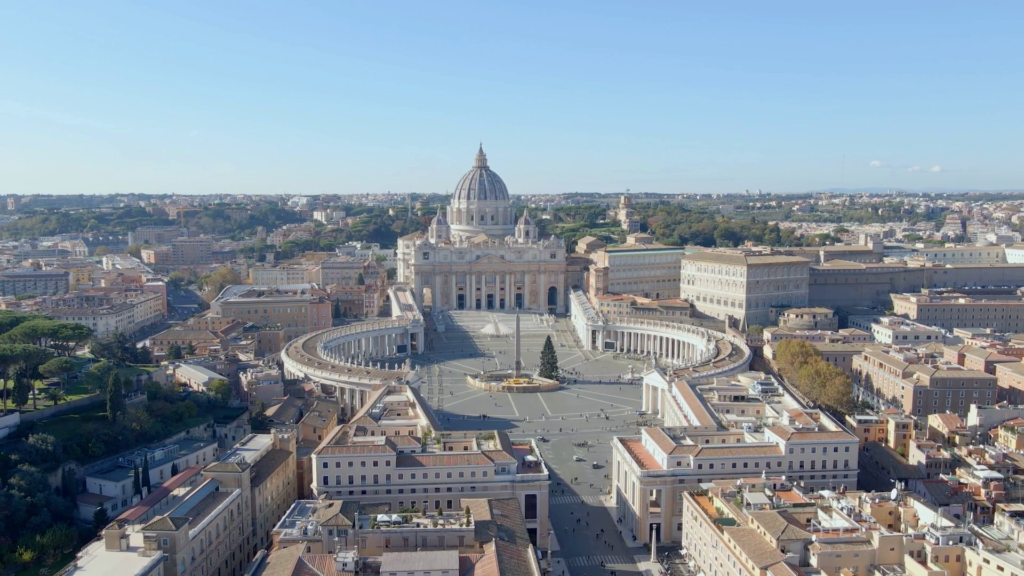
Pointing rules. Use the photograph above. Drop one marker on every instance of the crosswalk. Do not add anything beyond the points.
(609, 560)
(595, 500)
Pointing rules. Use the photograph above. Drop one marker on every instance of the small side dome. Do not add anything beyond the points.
(525, 220)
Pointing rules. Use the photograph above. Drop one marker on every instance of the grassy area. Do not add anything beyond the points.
(70, 426)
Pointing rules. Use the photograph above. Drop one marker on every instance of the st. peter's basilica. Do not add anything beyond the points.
(477, 257)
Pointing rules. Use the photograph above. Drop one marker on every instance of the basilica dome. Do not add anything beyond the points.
(480, 183)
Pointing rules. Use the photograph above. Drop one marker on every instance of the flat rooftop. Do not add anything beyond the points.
(96, 560)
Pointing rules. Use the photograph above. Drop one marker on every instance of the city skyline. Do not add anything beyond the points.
(197, 99)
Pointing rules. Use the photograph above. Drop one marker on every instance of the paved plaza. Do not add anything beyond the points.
(598, 394)
(598, 402)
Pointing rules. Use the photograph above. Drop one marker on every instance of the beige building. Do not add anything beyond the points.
(918, 384)
(949, 311)
(640, 267)
(721, 430)
(203, 534)
(110, 313)
(391, 452)
(809, 319)
(743, 285)
(282, 275)
(479, 258)
(619, 306)
(262, 466)
(296, 309)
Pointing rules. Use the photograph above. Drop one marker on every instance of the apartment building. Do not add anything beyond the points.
(743, 285)
(975, 358)
(276, 276)
(262, 467)
(722, 430)
(112, 488)
(896, 331)
(1010, 378)
(296, 309)
(640, 267)
(181, 252)
(343, 270)
(18, 281)
(491, 540)
(919, 383)
(108, 313)
(809, 319)
(392, 453)
(205, 534)
(156, 235)
(949, 311)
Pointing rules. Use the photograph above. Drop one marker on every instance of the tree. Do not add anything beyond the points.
(755, 330)
(548, 360)
(115, 397)
(136, 481)
(22, 386)
(360, 280)
(336, 309)
(791, 355)
(101, 251)
(59, 367)
(68, 483)
(100, 519)
(221, 390)
(145, 476)
(174, 469)
(189, 350)
(23, 360)
(825, 385)
(174, 352)
(55, 395)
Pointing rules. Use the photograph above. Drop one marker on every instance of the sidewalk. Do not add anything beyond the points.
(627, 538)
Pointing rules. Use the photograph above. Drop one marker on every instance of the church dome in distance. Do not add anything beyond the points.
(480, 183)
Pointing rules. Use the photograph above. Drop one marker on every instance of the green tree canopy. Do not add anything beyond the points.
(221, 390)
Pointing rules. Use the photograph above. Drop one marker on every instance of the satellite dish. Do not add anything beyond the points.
(893, 494)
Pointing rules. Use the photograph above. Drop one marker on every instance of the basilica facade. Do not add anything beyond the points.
(476, 256)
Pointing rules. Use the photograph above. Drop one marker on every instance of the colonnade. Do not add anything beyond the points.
(665, 346)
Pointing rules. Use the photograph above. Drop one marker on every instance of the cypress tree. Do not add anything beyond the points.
(174, 469)
(145, 477)
(136, 481)
(115, 397)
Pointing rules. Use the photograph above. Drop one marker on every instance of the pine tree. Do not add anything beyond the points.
(136, 481)
(100, 519)
(548, 360)
(115, 397)
(145, 477)
(336, 311)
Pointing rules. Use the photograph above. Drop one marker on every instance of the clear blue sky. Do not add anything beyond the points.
(335, 97)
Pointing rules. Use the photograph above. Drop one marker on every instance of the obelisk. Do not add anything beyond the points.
(519, 362)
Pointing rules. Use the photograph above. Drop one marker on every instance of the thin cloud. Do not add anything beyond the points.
(914, 169)
(936, 168)
(877, 164)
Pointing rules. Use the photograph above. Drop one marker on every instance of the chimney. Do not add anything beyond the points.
(115, 536)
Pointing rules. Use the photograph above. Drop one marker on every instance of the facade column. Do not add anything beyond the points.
(471, 298)
(454, 302)
(526, 290)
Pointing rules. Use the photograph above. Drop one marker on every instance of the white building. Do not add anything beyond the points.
(897, 331)
(640, 267)
(722, 429)
(477, 258)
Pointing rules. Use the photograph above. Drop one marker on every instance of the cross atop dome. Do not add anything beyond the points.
(481, 158)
